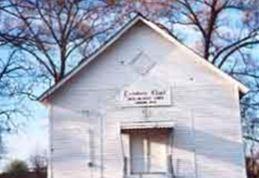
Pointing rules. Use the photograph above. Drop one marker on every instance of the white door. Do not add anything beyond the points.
(158, 153)
(148, 152)
(137, 152)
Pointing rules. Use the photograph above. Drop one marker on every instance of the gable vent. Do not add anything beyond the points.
(142, 63)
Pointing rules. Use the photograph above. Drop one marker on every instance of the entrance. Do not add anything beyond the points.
(148, 151)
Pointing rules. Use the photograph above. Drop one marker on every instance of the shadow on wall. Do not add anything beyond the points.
(209, 145)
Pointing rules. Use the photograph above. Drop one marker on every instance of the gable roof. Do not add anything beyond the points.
(163, 32)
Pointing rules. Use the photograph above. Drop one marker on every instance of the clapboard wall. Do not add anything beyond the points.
(207, 141)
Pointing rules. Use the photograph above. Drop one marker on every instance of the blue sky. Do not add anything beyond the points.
(31, 138)
(31, 135)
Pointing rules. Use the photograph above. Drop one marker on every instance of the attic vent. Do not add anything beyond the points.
(142, 63)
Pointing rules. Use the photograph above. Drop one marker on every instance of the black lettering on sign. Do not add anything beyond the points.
(147, 97)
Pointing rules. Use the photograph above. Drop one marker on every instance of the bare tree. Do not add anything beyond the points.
(56, 34)
(13, 93)
(218, 39)
(39, 164)
(12, 70)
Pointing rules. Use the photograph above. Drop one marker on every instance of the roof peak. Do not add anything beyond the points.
(159, 28)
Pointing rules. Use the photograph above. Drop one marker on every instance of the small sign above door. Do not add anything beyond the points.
(146, 97)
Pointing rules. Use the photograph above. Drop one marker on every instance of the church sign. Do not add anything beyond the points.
(146, 97)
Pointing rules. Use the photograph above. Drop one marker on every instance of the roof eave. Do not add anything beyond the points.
(243, 89)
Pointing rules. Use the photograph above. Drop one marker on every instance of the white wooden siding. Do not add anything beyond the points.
(207, 136)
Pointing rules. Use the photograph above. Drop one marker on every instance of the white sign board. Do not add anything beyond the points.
(146, 97)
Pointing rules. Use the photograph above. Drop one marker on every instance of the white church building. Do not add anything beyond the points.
(145, 106)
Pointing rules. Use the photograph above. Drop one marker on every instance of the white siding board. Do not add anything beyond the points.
(207, 134)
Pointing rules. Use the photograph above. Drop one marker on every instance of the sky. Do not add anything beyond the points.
(31, 136)
(30, 139)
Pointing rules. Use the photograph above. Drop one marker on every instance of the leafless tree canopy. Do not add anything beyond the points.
(39, 164)
(12, 92)
(43, 40)
(54, 36)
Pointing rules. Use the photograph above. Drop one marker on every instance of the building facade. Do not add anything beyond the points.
(145, 106)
